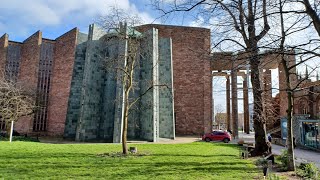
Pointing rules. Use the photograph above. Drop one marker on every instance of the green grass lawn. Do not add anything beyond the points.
(200, 160)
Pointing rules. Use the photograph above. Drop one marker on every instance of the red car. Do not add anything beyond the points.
(217, 136)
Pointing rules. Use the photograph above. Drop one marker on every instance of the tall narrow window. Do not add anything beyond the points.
(44, 73)
(303, 106)
(13, 62)
(11, 68)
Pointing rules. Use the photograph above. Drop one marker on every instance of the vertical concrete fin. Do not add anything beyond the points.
(149, 64)
(92, 87)
(110, 125)
(118, 111)
(156, 107)
(166, 99)
(3, 53)
(74, 102)
(95, 32)
(63, 64)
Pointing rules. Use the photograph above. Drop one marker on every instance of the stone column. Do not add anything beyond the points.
(234, 94)
(228, 104)
(246, 106)
(267, 98)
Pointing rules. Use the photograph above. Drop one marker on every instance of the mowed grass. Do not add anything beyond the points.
(200, 160)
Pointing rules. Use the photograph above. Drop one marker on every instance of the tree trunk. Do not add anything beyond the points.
(291, 163)
(258, 121)
(125, 123)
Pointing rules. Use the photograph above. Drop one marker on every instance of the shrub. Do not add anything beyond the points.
(261, 162)
(308, 170)
(283, 158)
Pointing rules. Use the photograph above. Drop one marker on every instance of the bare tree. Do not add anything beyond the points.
(242, 25)
(220, 117)
(15, 102)
(287, 43)
(312, 13)
(127, 64)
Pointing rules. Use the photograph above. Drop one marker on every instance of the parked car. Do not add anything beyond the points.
(217, 136)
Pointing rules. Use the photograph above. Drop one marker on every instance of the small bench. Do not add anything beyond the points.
(245, 150)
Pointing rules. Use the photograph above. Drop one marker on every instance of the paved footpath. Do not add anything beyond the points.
(301, 155)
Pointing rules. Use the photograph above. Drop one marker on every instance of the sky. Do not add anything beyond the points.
(21, 18)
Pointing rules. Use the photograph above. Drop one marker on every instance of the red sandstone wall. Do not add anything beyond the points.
(28, 75)
(192, 79)
(3, 53)
(64, 54)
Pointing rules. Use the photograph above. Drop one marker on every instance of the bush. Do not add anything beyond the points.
(308, 170)
(261, 162)
(283, 158)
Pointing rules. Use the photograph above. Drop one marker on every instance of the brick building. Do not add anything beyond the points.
(77, 96)
(306, 122)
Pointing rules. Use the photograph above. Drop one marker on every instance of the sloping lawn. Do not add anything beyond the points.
(31, 160)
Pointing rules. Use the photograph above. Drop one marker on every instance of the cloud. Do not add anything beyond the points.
(19, 18)
(177, 2)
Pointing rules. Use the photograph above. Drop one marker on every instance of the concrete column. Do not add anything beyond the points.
(228, 104)
(234, 95)
(246, 106)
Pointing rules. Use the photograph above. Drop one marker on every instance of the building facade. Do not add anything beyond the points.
(79, 98)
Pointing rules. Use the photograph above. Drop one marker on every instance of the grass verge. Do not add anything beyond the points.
(32, 160)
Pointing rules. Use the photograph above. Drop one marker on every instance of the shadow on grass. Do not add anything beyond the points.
(62, 164)
(131, 169)
(196, 155)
